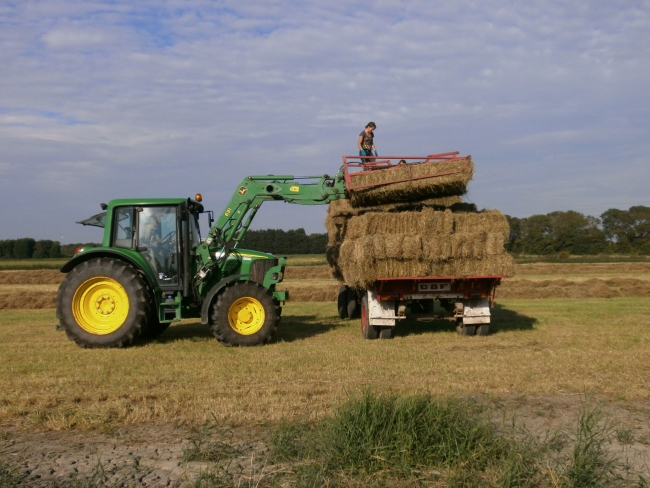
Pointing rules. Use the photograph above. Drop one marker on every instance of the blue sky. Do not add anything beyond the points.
(111, 99)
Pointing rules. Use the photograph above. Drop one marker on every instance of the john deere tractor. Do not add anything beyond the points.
(153, 268)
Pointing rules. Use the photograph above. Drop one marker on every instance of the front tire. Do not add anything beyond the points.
(245, 314)
(102, 303)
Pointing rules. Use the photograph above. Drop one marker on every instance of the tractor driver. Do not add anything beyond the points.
(150, 231)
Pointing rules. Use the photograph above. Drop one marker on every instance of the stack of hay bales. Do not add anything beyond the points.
(421, 229)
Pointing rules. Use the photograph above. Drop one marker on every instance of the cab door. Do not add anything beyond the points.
(158, 231)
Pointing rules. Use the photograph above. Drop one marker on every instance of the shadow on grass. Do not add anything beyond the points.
(291, 328)
(505, 319)
(502, 320)
(298, 327)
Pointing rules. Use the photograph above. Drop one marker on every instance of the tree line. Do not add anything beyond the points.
(28, 248)
(275, 241)
(614, 232)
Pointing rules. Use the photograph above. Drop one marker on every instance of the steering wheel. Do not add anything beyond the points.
(167, 240)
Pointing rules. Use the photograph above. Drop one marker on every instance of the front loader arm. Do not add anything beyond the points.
(232, 224)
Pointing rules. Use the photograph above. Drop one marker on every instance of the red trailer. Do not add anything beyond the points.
(465, 300)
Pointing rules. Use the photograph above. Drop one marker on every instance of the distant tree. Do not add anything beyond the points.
(24, 248)
(628, 231)
(513, 243)
(576, 233)
(55, 250)
(297, 242)
(7, 248)
(317, 243)
(278, 241)
(42, 249)
(536, 235)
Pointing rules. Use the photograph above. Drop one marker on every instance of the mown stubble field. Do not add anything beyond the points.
(544, 359)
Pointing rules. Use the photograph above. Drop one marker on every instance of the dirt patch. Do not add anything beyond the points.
(145, 455)
(161, 455)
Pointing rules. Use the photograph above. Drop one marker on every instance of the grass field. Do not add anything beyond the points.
(540, 347)
(544, 359)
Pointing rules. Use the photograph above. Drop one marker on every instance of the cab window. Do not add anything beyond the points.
(157, 241)
(123, 227)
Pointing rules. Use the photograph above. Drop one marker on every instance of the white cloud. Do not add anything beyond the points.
(187, 93)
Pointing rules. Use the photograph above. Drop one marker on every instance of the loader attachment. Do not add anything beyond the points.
(357, 172)
(372, 180)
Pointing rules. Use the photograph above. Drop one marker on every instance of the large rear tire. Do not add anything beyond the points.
(464, 329)
(386, 332)
(343, 302)
(102, 303)
(353, 304)
(483, 330)
(245, 314)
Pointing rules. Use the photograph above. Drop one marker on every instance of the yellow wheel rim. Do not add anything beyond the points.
(246, 316)
(100, 305)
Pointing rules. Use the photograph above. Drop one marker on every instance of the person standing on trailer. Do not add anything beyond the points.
(366, 142)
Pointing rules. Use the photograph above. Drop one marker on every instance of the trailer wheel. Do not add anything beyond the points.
(102, 303)
(483, 330)
(386, 332)
(343, 302)
(353, 304)
(245, 314)
(369, 331)
(464, 329)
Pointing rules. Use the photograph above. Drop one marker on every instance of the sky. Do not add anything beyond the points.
(120, 99)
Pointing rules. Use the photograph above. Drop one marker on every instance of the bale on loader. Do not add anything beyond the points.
(454, 175)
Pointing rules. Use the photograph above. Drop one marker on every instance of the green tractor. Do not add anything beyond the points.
(153, 268)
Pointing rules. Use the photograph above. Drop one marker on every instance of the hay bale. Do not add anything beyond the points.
(426, 222)
(362, 273)
(454, 175)
(425, 242)
(344, 208)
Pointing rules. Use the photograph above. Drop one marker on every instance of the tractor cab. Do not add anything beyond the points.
(163, 232)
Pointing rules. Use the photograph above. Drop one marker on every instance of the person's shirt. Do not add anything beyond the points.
(367, 141)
